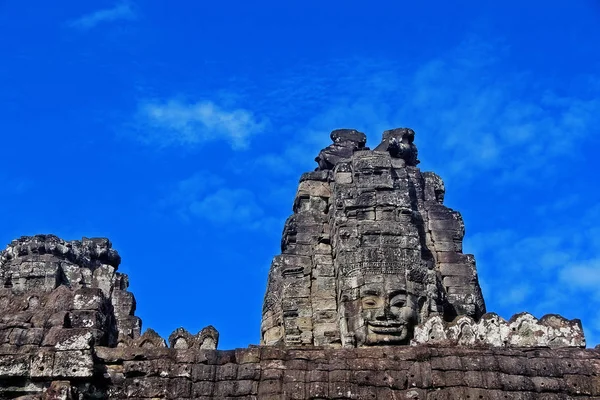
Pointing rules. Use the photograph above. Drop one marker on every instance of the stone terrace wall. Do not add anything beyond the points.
(400, 372)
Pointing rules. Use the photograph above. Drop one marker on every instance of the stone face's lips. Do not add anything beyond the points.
(386, 327)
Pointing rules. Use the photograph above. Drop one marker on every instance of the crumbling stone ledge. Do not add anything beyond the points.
(270, 372)
(521, 330)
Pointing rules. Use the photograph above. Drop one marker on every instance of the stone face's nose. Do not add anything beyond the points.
(385, 314)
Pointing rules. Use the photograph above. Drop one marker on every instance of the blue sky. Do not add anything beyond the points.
(179, 131)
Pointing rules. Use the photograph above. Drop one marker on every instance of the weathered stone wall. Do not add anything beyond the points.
(49, 284)
(269, 372)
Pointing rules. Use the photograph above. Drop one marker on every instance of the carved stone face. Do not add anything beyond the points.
(384, 313)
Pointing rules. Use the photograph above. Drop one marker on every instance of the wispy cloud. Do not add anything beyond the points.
(210, 198)
(120, 12)
(175, 123)
(228, 206)
(582, 275)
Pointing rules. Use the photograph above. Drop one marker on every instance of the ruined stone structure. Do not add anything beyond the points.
(370, 250)
(370, 298)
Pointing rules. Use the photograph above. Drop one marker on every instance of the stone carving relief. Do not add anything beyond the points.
(370, 251)
(372, 256)
(383, 310)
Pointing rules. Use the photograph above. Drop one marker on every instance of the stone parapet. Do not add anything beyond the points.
(522, 330)
(269, 372)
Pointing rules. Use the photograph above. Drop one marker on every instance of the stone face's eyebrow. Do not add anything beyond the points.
(398, 293)
(369, 292)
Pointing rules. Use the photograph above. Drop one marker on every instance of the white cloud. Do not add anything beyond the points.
(582, 275)
(120, 12)
(174, 123)
(188, 190)
(208, 197)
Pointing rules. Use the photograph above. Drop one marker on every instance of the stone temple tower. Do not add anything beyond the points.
(369, 252)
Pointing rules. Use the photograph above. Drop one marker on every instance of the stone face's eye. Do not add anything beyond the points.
(398, 301)
(370, 302)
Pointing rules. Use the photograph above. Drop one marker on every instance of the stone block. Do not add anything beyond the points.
(123, 302)
(146, 387)
(73, 364)
(41, 364)
(246, 388)
(202, 388)
(454, 235)
(294, 390)
(178, 388)
(180, 370)
(343, 177)
(453, 257)
(223, 389)
(201, 372)
(87, 319)
(248, 372)
(226, 372)
(269, 387)
(314, 188)
(245, 356)
(88, 299)
(450, 281)
(22, 337)
(342, 389)
(582, 385)
(448, 246)
(466, 270)
(318, 390)
(14, 365)
(271, 373)
(69, 338)
(320, 176)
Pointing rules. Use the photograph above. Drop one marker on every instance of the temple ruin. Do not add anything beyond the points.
(370, 298)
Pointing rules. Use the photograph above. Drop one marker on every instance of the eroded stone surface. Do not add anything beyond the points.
(49, 282)
(399, 143)
(369, 252)
(522, 330)
(345, 142)
(206, 339)
(386, 372)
